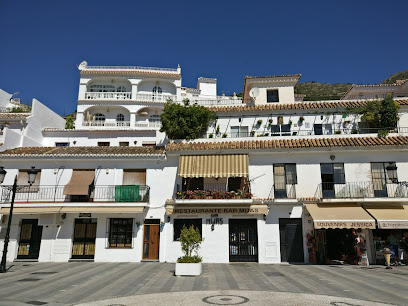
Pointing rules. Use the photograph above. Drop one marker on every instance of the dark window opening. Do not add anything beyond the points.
(331, 174)
(193, 183)
(272, 95)
(120, 233)
(103, 144)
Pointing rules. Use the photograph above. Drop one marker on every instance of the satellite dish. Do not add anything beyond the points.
(254, 92)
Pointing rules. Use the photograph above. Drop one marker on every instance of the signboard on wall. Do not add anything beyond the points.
(245, 210)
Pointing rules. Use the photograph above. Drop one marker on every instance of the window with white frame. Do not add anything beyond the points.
(120, 117)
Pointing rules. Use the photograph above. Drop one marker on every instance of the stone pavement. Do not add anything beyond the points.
(220, 284)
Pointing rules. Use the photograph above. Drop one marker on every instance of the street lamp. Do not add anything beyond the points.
(32, 173)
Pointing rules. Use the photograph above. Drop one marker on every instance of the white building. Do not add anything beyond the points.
(274, 179)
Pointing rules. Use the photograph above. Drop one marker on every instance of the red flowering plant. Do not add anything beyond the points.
(214, 194)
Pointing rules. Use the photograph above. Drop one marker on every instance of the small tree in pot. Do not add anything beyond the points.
(190, 263)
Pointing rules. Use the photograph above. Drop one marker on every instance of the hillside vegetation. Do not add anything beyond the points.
(315, 91)
(403, 75)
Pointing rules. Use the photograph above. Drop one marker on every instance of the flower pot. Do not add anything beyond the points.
(188, 269)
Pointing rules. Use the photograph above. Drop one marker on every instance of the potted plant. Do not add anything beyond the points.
(259, 122)
(290, 122)
(270, 121)
(218, 129)
(252, 133)
(189, 264)
(301, 119)
(161, 225)
(224, 135)
(211, 135)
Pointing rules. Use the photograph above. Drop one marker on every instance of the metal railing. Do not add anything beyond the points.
(284, 191)
(50, 194)
(303, 132)
(356, 190)
(214, 191)
(108, 95)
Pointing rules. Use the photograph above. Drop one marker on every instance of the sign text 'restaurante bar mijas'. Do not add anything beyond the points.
(221, 210)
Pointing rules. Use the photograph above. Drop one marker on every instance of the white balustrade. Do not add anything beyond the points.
(155, 98)
(110, 124)
(108, 95)
(148, 124)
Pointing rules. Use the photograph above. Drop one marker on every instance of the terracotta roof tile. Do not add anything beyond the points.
(82, 151)
(290, 143)
(298, 75)
(294, 106)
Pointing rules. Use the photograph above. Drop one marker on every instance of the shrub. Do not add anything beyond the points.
(190, 239)
(259, 122)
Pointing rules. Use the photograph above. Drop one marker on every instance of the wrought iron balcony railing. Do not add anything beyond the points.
(214, 191)
(361, 190)
(283, 191)
(52, 194)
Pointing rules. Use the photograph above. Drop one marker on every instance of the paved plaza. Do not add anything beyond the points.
(220, 284)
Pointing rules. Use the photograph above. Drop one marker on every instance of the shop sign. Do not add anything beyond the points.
(85, 215)
(344, 224)
(235, 211)
(393, 224)
(214, 220)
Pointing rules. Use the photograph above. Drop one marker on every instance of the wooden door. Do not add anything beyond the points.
(30, 239)
(291, 240)
(83, 246)
(151, 239)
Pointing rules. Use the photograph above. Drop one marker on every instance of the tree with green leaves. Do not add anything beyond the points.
(185, 122)
(381, 115)
(70, 121)
(190, 239)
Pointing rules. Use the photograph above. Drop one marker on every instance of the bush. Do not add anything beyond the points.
(190, 239)
(190, 259)
(185, 122)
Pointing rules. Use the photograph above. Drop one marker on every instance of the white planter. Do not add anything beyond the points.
(188, 269)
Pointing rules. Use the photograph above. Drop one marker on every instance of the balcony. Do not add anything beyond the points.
(361, 190)
(55, 194)
(110, 124)
(283, 191)
(304, 132)
(214, 191)
(108, 95)
(148, 124)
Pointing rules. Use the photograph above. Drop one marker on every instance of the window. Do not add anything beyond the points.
(103, 144)
(235, 183)
(239, 131)
(272, 95)
(318, 129)
(280, 130)
(62, 144)
(120, 233)
(193, 183)
(22, 180)
(121, 89)
(120, 117)
(383, 174)
(99, 117)
(331, 174)
(102, 88)
(284, 174)
(134, 177)
(123, 143)
(179, 223)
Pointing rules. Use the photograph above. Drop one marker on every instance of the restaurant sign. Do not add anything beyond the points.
(249, 210)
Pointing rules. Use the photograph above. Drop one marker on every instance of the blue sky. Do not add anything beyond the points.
(42, 42)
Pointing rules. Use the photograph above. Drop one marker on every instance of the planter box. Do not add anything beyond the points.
(188, 269)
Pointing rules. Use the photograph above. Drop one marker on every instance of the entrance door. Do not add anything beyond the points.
(151, 240)
(291, 240)
(243, 240)
(30, 239)
(84, 239)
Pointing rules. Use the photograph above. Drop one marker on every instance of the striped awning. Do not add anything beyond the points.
(231, 165)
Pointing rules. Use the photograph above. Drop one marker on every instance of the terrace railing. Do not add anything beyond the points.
(108, 95)
(361, 190)
(53, 194)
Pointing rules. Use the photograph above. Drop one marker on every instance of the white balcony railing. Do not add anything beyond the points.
(108, 95)
(148, 124)
(113, 124)
(155, 98)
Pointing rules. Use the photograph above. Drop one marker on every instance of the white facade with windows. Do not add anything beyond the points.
(114, 189)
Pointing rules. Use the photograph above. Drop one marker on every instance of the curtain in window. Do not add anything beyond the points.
(291, 176)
